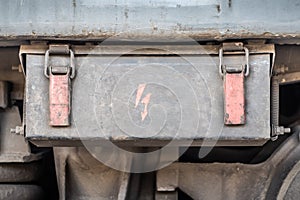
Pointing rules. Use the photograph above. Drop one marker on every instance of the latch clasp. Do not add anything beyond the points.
(242, 68)
(234, 85)
(59, 86)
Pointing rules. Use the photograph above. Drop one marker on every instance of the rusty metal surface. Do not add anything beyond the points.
(287, 64)
(81, 176)
(3, 94)
(276, 178)
(13, 147)
(20, 191)
(9, 72)
(131, 49)
(20, 172)
(208, 19)
(151, 49)
(287, 59)
(83, 96)
(289, 78)
(234, 99)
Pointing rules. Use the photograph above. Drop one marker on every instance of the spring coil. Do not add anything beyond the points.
(275, 102)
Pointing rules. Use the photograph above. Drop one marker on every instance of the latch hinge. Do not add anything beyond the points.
(233, 47)
(59, 85)
(234, 84)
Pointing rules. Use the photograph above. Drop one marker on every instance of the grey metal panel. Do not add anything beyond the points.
(206, 19)
(93, 116)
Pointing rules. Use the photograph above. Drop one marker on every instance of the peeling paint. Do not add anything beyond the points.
(139, 94)
(146, 101)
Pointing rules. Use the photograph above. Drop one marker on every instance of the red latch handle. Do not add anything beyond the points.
(59, 86)
(234, 88)
(234, 99)
(59, 99)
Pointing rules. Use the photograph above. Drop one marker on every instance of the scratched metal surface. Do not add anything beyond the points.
(106, 103)
(200, 19)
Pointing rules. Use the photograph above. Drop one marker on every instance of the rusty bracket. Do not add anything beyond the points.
(234, 89)
(59, 85)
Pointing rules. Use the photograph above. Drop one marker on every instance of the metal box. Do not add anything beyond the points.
(148, 97)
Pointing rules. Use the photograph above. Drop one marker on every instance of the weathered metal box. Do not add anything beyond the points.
(148, 96)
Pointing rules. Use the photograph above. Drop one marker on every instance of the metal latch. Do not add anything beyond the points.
(59, 85)
(234, 84)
